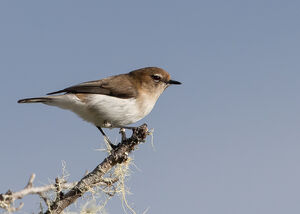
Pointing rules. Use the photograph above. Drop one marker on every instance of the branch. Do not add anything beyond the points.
(118, 155)
(7, 199)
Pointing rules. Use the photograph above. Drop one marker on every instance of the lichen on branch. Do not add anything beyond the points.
(118, 155)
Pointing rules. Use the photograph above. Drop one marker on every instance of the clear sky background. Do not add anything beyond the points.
(226, 141)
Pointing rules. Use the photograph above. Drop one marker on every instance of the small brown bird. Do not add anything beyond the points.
(113, 102)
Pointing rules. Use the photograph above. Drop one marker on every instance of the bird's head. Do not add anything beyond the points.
(152, 79)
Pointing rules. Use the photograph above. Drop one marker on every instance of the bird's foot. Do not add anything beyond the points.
(129, 127)
(134, 130)
(123, 134)
(109, 143)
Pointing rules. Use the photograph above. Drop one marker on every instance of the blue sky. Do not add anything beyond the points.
(227, 140)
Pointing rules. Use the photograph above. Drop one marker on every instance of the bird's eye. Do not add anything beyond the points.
(156, 78)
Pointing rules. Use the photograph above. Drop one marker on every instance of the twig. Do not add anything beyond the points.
(7, 199)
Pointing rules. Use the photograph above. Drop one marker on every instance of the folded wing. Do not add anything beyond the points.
(117, 86)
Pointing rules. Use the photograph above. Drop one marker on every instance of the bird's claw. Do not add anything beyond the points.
(123, 134)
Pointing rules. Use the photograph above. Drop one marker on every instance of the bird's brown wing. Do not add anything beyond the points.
(117, 86)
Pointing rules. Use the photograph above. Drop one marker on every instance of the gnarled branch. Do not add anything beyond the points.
(7, 199)
(76, 189)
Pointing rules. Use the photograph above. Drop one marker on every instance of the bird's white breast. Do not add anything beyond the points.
(103, 110)
(112, 110)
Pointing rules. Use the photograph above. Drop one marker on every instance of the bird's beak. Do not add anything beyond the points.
(174, 82)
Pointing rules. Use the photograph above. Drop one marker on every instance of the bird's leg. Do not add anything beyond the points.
(128, 127)
(106, 138)
(123, 134)
(133, 129)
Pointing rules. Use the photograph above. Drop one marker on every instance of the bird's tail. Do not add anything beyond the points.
(35, 100)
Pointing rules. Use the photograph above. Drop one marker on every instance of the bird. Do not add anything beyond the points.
(112, 102)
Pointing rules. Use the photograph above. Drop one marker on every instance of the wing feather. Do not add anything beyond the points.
(117, 86)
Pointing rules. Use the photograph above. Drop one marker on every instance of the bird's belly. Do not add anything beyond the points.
(108, 111)
(102, 110)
